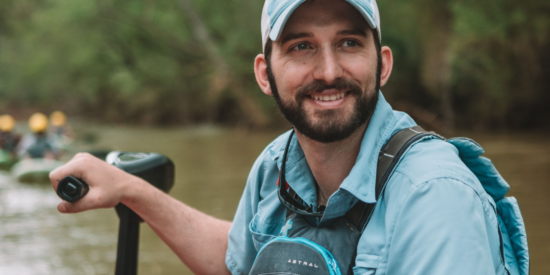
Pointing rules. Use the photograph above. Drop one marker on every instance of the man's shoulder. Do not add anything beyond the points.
(431, 170)
(432, 198)
(433, 159)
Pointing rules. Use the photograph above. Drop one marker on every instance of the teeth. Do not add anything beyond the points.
(329, 97)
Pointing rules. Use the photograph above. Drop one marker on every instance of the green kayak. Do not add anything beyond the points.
(34, 170)
(6, 160)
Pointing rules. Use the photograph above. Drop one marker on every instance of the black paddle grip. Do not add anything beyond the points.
(72, 189)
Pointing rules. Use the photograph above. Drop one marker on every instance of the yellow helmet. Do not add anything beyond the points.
(38, 122)
(58, 118)
(6, 123)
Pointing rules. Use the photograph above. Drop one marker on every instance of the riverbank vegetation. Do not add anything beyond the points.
(458, 63)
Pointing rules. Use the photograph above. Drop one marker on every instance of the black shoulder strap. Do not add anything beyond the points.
(359, 215)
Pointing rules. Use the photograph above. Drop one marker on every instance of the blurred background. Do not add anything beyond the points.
(176, 77)
(470, 64)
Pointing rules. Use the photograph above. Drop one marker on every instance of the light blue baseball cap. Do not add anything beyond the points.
(276, 12)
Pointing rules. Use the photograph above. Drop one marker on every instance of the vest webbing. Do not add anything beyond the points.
(359, 215)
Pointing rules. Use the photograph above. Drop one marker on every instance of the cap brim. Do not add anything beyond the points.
(281, 20)
(277, 28)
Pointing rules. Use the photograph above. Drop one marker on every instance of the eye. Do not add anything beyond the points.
(301, 47)
(350, 43)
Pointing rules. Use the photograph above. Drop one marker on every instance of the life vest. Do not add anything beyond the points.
(304, 248)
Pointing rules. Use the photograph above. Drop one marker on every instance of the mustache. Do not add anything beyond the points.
(317, 86)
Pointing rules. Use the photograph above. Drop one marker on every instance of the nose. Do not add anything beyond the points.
(328, 67)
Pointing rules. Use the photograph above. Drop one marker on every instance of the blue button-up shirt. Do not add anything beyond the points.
(433, 218)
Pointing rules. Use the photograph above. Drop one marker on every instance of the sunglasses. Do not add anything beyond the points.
(293, 202)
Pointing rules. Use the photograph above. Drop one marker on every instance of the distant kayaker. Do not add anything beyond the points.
(8, 138)
(60, 131)
(37, 144)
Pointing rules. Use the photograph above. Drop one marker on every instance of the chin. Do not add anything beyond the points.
(327, 128)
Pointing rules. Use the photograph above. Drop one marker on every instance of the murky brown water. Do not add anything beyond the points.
(211, 168)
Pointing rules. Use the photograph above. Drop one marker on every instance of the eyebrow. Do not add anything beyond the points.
(359, 32)
(292, 36)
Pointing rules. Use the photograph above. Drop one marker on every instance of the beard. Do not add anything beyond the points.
(332, 125)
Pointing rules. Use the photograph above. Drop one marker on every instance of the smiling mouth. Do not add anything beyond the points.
(328, 97)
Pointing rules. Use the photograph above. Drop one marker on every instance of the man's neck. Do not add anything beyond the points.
(332, 162)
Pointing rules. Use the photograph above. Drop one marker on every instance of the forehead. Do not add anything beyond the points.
(324, 14)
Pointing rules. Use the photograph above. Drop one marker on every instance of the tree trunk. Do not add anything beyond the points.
(222, 77)
(436, 67)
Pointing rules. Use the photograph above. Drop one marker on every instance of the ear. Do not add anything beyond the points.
(260, 70)
(387, 65)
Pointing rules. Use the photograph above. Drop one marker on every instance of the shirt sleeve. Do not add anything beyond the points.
(240, 250)
(440, 229)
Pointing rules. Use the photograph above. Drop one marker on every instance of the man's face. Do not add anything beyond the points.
(324, 70)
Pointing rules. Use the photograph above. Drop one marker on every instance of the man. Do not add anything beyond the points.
(37, 144)
(8, 137)
(60, 132)
(323, 64)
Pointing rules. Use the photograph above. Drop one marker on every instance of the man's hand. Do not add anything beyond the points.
(199, 240)
(108, 184)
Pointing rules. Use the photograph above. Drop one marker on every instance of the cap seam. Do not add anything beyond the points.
(278, 15)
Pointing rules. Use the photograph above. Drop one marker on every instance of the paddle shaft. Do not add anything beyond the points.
(128, 241)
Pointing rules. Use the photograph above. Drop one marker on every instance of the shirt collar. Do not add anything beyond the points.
(361, 181)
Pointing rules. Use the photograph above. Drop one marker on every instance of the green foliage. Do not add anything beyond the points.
(143, 61)
(502, 47)
(498, 52)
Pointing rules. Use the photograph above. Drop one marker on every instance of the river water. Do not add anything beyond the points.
(211, 169)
